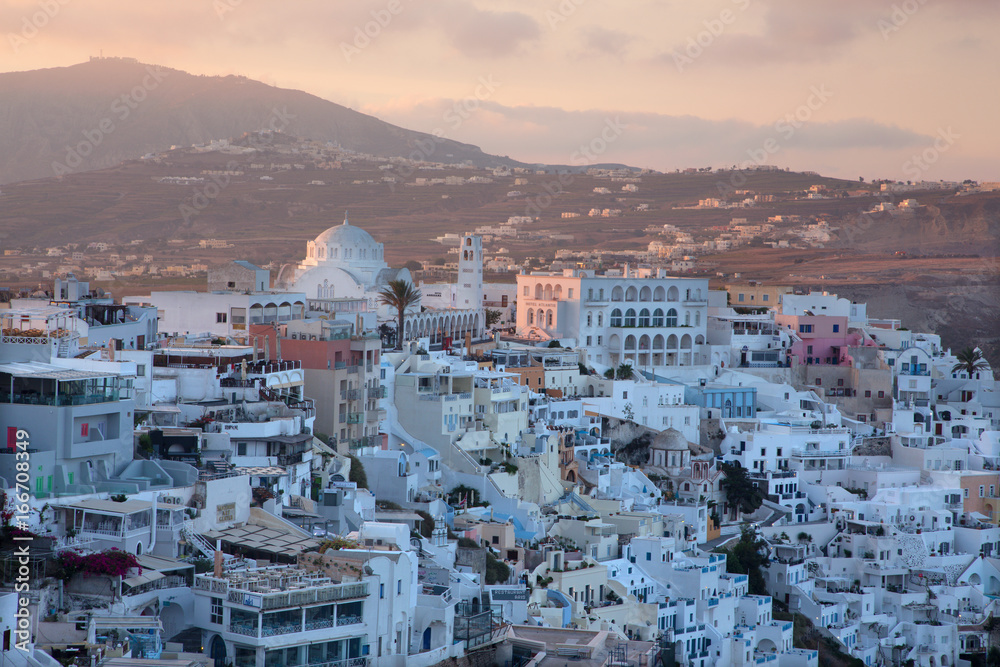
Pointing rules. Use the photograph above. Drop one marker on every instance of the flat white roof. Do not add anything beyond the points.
(43, 371)
(99, 505)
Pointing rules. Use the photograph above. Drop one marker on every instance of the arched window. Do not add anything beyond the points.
(671, 317)
(687, 319)
(658, 317)
(658, 293)
(644, 317)
(631, 294)
(630, 317)
(616, 318)
(617, 294)
(673, 294)
(697, 318)
(531, 316)
(548, 319)
(538, 291)
(645, 294)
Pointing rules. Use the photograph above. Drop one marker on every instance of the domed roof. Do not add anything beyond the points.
(346, 235)
(671, 439)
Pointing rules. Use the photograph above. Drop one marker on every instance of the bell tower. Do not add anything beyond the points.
(469, 291)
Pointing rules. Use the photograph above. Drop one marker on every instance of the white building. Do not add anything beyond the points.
(642, 318)
(343, 261)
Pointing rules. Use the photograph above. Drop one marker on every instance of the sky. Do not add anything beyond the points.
(900, 89)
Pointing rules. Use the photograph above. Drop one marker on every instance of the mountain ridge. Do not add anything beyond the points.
(99, 113)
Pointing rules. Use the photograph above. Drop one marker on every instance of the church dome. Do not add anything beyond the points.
(671, 440)
(345, 244)
(345, 234)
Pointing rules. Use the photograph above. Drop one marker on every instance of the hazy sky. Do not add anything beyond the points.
(904, 89)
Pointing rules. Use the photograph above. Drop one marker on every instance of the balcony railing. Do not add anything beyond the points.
(355, 417)
(110, 396)
(815, 453)
(246, 629)
(348, 620)
(349, 662)
(319, 623)
(265, 367)
(101, 531)
(273, 629)
(366, 441)
(289, 459)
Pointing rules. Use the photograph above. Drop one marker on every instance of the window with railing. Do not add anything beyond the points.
(282, 623)
(243, 622)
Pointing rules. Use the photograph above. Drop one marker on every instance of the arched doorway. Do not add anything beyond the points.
(217, 651)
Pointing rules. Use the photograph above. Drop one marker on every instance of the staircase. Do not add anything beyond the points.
(202, 545)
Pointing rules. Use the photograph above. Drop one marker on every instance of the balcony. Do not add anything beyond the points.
(342, 366)
(266, 367)
(798, 495)
(772, 475)
(819, 453)
(366, 441)
(282, 599)
(290, 459)
(355, 417)
(349, 662)
(377, 392)
(274, 629)
(350, 394)
(59, 400)
(245, 629)
(373, 416)
(348, 620)
(320, 623)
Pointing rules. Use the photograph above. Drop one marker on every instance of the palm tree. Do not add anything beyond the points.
(624, 372)
(970, 360)
(401, 295)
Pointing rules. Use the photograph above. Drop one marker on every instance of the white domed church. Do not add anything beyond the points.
(345, 262)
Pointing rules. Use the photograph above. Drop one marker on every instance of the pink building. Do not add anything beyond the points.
(823, 339)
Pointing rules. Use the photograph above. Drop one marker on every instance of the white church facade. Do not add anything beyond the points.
(346, 263)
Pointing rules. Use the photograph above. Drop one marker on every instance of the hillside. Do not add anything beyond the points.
(99, 113)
